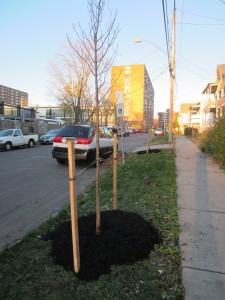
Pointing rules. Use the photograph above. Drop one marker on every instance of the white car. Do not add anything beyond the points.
(158, 132)
(54, 120)
(85, 143)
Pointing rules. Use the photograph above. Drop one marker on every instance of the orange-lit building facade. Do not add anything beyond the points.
(138, 94)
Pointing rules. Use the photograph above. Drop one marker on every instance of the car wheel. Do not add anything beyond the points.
(60, 161)
(8, 146)
(91, 159)
(31, 144)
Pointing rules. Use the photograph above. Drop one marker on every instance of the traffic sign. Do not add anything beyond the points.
(119, 110)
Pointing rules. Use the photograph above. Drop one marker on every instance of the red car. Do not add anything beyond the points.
(140, 131)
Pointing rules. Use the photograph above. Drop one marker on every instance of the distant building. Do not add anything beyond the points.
(214, 102)
(43, 111)
(163, 120)
(190, 115)
(138, 94)
(12, 96)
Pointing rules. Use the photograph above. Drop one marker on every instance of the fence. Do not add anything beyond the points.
(38, 127)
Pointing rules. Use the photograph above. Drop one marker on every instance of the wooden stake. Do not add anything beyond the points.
(73, 205)
(115, 171)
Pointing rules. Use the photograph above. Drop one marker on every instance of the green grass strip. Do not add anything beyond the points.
(28, 271)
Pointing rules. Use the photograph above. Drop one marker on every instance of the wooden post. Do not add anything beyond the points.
(149, 136)
(115, 171)
(122, 139)
(73, 205)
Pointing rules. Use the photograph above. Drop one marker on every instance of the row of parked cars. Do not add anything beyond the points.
(50, 135)
(126, 131)
(48, 138)
(84, 138)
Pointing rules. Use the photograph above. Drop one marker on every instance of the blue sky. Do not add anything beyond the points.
(34, 32)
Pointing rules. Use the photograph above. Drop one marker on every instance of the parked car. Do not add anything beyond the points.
(2, 117)
(10, 138)
(85, 143)
(159, 132)
(54, 120)
(140, 131)
(126, 132)
(112, 128)
(48, 137)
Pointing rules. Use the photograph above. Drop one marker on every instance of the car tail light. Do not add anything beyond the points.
(58, 139)
(81, 141)
(84, 141)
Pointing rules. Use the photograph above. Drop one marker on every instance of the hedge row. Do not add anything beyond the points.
(213, 142)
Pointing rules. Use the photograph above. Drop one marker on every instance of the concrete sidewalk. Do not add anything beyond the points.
(152, 147)
(201, 203)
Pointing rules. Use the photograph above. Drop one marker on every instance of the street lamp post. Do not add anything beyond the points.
(140, 40)
(172, 74)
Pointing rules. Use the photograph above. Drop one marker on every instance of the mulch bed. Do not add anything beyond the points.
(108, 162)
(124, 239)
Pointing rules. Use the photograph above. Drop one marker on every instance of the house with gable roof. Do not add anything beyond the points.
(214, 105)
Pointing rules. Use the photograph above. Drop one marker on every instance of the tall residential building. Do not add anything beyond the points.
(138, 94)
(163, 119)
(11, 96)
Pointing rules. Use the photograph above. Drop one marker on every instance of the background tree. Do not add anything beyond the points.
(96, 45)
(70, 81)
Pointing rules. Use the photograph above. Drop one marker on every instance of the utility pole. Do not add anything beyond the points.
(172, 77)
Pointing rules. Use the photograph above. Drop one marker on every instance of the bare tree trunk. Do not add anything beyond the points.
(98, 215)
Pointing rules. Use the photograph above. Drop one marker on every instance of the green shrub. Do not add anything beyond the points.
(214, 141)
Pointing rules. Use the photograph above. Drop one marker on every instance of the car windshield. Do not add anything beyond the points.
(75, 131)
(55, 131)
(6, 132)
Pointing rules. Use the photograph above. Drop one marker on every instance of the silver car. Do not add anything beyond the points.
(48, 137)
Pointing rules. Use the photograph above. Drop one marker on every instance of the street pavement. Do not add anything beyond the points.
(201, 203)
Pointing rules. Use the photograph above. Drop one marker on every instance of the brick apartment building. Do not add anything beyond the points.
(12, 96)
(138, 94)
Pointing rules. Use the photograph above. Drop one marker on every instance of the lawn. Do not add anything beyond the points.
(136, 256)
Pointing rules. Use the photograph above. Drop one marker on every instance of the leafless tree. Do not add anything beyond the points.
(96, 44)
(70, 81)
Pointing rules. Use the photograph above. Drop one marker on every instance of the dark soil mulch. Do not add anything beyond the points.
(125, 238)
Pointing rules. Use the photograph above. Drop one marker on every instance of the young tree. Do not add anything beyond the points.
(95, 45)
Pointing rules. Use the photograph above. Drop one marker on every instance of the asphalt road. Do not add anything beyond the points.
(33, 186)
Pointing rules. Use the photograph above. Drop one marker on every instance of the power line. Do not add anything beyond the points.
(197, 15)
(165, 18)
(204, 24)
(181, 36)
(222, 1)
